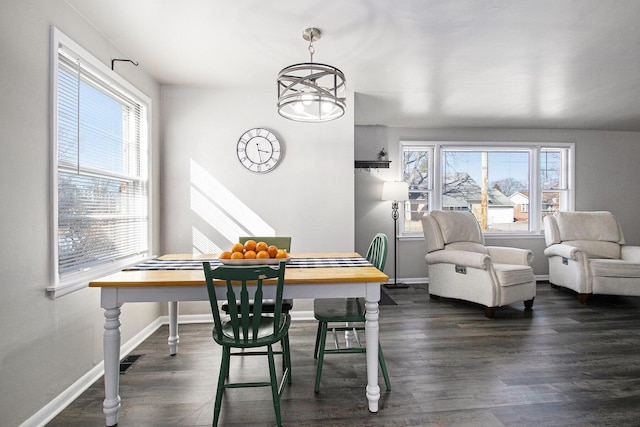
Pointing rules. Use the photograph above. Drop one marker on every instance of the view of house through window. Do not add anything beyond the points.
(508, 188)
(101, 166)
(485, 183)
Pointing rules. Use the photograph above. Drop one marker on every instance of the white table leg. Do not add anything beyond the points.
(111, 404)
(349, 336)
(371, 332)
(174, 339)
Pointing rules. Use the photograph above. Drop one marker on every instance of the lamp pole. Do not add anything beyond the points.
(395, 191)
(394, 215)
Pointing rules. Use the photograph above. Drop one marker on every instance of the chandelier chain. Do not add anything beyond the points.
(312, 50)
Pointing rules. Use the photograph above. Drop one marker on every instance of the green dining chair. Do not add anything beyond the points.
(247, 329)
(347, 311)
(282, 242)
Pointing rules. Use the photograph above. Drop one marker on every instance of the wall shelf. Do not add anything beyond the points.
(372, 164)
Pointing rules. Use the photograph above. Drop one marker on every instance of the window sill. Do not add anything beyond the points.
(54, 292)
(76, 281)
(487, 236)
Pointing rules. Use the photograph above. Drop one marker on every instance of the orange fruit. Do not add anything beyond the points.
(261, 246)
(237, 255)
(250, 255)
(250, 245)
(225, 255)
(262, 255)
(238, 247)
(281, 253)
(273, 251)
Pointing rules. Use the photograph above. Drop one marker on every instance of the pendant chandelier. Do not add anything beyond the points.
(311, 92)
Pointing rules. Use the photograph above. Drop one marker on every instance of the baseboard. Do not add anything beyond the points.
(425, 280)
(64, 399)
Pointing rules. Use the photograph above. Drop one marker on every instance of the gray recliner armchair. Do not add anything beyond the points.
(587, 253)
(462, 267)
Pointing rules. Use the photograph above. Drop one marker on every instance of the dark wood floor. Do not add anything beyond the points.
(560, 364)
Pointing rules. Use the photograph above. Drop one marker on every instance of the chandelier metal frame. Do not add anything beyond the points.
(311, 92)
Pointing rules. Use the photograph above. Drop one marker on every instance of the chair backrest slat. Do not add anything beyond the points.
(244, 284)
(377, 252)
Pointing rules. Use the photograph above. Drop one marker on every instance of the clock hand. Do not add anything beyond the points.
(259, 151)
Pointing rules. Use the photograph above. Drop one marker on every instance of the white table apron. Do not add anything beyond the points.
(112, 299)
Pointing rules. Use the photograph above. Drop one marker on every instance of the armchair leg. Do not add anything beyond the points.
(490, 312)
(529, 303)
(583, 298)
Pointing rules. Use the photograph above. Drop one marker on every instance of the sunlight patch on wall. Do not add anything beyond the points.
(214, 216)
(202, 244)
(227, 215)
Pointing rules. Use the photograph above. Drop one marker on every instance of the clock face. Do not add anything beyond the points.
(259, 150)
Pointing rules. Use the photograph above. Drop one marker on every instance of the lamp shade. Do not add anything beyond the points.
(395, 190)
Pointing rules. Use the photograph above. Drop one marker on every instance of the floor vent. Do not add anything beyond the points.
(127, 363)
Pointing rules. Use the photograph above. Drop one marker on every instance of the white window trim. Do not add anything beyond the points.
(79, 280)
(435, 191)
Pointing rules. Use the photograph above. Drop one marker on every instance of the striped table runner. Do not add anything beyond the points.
(157, 264)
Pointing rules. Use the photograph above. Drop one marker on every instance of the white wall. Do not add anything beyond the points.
(209, 199)
(46, 345)
(607, 178)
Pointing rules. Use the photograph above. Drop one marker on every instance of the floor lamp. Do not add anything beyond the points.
(396, 191)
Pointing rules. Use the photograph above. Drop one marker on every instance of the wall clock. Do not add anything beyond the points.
(259, 150)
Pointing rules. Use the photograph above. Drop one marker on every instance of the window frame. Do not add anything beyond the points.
(65, 283)
(535, 196)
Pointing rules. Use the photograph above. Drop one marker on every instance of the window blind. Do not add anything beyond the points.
(102, 178)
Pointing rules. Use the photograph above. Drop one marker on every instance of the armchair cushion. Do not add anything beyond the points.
(597, 226)
(510, 274)
(614, 268)
(468, 247)
(596, 249)
(456, 227)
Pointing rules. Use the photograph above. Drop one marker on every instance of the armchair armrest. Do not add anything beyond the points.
(468, 259)
(630, 253)
(565, 251)
(509, 255)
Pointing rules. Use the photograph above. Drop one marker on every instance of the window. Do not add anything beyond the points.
(100, 162)
(509, 187)
(418, 163)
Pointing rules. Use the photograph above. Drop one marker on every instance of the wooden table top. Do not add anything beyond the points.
(293, 276)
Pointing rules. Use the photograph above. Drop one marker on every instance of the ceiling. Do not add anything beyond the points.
(572, 64)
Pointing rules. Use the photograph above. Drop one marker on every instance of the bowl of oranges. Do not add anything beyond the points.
(254, 253)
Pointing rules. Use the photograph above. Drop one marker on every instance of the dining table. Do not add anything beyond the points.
(173, 278)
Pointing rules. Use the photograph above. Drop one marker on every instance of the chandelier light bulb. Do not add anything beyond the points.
(307, 99)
